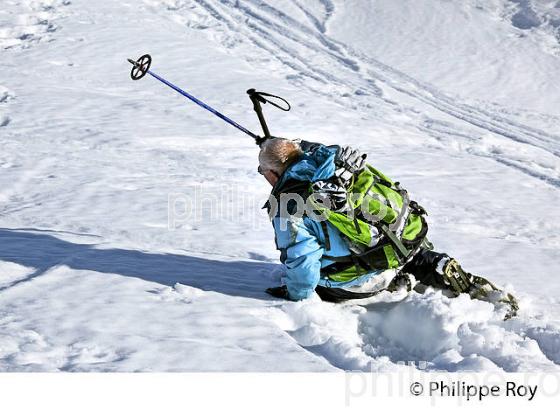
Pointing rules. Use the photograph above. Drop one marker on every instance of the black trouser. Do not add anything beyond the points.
(423, 267)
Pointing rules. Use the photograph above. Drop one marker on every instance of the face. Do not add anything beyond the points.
(271, 176)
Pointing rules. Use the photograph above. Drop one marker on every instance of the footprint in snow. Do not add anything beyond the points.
(179, 293)
(4, 121)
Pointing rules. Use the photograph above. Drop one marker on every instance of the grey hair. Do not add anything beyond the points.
(277, 154)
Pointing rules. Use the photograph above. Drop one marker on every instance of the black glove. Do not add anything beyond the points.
(279, 292)
(348, 161)
(330, 195)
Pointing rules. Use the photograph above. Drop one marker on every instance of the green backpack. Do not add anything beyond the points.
(382, 227)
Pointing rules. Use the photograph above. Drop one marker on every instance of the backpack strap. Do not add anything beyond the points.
(326, 234)
(405, 253)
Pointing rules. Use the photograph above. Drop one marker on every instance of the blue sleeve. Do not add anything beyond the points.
(301, 253)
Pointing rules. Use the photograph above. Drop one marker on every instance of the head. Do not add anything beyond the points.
(276, 155)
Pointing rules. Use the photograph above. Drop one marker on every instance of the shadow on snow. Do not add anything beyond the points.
(43, 252)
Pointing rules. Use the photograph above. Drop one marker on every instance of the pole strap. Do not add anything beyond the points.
(262, 94)
(258, 98)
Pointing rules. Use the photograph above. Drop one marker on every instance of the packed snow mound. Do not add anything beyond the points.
(430, 330)
(5, 97)
(28, 22)
(5, 94)
(525, 17)
(12, 272)
(531, 14)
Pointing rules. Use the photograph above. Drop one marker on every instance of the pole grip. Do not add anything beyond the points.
(256, 99)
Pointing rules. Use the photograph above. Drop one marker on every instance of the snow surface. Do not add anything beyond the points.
(459, 100)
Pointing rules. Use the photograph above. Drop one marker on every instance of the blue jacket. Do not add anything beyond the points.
(301, 241)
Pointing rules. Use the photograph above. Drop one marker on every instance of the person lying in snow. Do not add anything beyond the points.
(346, 231)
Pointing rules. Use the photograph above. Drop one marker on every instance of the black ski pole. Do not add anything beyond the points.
(258, 97)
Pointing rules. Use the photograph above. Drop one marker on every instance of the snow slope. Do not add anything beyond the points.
(456, 99)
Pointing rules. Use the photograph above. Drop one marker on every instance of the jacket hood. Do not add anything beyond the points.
(316, 164)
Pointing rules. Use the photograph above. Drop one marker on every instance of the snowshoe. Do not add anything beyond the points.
(477, 287)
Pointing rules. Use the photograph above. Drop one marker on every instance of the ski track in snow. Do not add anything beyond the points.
(266, 25)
